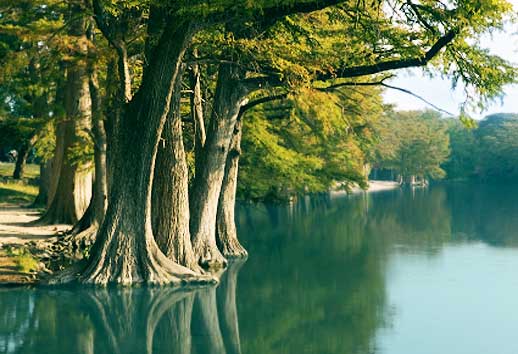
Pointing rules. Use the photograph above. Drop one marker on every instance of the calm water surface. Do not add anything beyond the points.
(399, 272)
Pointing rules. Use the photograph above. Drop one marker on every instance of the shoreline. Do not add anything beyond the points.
(18, 238)
(374, 186)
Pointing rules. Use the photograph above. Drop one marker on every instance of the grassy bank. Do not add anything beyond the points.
(17, 264)
(20, 192)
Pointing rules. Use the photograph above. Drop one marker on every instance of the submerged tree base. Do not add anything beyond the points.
(118, 258)
(232, 248)
(157, 274)
(210, 257)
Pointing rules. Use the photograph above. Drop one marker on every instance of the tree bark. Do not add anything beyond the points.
(170, 206)
(125, 251)
(74, 185)
(230, 96)
(227, 239)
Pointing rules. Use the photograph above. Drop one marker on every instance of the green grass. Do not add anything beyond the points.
(31, 170)
(23, 259)
(17, 192)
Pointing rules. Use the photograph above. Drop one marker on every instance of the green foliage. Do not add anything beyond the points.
(413, 143)
(497, 138)
(307, 143)
(488, 152)
(463, 158)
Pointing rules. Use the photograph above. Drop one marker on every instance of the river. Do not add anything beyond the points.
(395, 272)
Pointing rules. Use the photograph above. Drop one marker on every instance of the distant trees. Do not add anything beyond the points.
(413, 144)
(488, 152)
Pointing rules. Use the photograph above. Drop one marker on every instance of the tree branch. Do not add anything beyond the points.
(383, 84)
(418, 97)
(276, 12)
(260, 101)
(363, 70)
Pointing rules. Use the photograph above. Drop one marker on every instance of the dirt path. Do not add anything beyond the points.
(16, 230)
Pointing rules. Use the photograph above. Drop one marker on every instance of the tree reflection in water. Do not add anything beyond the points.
(122, 320)
(316, 281)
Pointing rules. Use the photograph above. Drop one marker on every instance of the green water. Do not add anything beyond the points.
(399, 272)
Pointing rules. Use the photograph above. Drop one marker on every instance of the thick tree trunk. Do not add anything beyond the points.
(73, 188)
(230, 96)
(125, 251)
(170, 206)
(74, 182)
(227, 239)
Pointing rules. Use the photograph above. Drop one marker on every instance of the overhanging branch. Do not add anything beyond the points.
(260, 101)
(383, 84)
(363, 70)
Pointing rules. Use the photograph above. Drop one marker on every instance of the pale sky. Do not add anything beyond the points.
(439, 92)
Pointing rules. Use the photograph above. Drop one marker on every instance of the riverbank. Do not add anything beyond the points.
(374, 186)
(20, 242)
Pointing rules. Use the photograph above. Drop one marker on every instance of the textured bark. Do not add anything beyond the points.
(170, 206)
(227, 308)
(74, 182)
(227, 239)
(125, 251)
(230, 96)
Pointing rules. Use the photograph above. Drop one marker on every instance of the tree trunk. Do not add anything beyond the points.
(100, 190)
(83, 232)
(21, 160)
(230, 96)
(170, 206)
(74, 182)
(197, 117)
(44, 184)
(227, 239)
(125, 251)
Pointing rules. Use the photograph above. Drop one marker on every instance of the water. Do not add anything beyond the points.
(399, 272)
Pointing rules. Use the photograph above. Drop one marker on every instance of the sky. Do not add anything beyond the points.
(439, 92)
